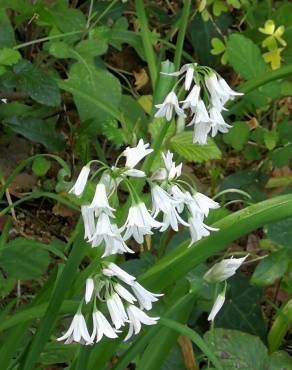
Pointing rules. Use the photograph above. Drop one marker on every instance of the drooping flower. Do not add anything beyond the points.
(219, 302)
(145, 297)
(192, 99)
(163, 202)
(101, 327)
(139, 223)
(173, 171)
(114, 270)
(100, 202)
(166, 108)
(223, 270)
(89, 288)
(136, 318)
(188, 69)
(136, 154)
(117, 311)
(204, 203)
(198, 229)
(124, 293)
(77, 331)
(81, 181)
(89, 221)
(218, 123)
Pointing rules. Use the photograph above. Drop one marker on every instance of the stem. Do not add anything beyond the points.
(62, 286)
(103, 14)
(146, 39)
(181, 33)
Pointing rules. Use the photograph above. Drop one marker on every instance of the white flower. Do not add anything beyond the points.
(100, 202)
(134, 173)
(101, 327)
(139, 223)
(219, 96)
(89, 221)
(204, 203)
(198, 229)
(192, 99)
(136, 318)
(113, 270)
(77, 331)
(188, 69)
(227, 89)
(217, 306)
(89, 288)
(179, 196)
(200, 114)
(136, 154)
(173, 171)
(223, 270)
(201, 131)
(166, 108)
(108, 233)
(124, 293)
(116, 310)
(162, 201)
(145, 297)
(218, 123)
(81, 181)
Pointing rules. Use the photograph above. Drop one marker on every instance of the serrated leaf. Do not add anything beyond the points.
(237, 136)
(245, 57)
(182, 144)
(8, 56)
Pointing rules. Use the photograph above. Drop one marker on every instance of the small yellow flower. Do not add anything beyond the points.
(273, 57)
(274, 35)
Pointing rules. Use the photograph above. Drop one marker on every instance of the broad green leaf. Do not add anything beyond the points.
(7, 38)
(40, 166)
(24, 259)
(237, 136)
(281, 156)
(271, 138)
(280, 232)
(96, 92)
(271, 268)
(238, 350)
(91, 48)
(174, 360)
(60, 49)
(241, 310)
(37, 84)
(8, 56)
(245, 57)
(37, 130)
(280, 361)
(182, 144)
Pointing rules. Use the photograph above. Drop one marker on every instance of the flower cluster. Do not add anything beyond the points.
(207, 94)
(174, 203)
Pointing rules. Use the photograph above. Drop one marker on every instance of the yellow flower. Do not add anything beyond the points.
(273, 57)
(274, 35)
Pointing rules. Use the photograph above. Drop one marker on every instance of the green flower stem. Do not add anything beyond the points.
(146, 39)
(178, 262)
(181, 34)
(62, 286)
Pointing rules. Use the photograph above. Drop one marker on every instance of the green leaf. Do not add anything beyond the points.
(245, 57)
(280, 232)
(281, 156)
(40, 166)
(24, 259)
(238, 350)
(241, 310)
(271, 138)
(271, 268)
(182, 145)
(60, 49)
(96, 92)
(91, 48)
(37, 84)
(237, 136)
(174, 360)
(280, 361)
(7, 38)
(219, 7)
(37, 130)
(8, 56)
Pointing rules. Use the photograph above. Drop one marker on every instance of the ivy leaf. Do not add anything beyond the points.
(182, 144)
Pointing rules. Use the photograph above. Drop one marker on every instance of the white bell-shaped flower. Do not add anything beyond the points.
(124, 293)
(114, 270)
(198, 229)
(101, 327)
(173, 171)
(218, 123)
(89, 288)
(77, 331)
(81, 181)
(117, 311)
(88, 221)
(145, 297)
(166, 108)
(192, 99)
(136, 318)
(223, 270)
(136, 154)
(218, 304)
(100, 202)
(204, 203)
